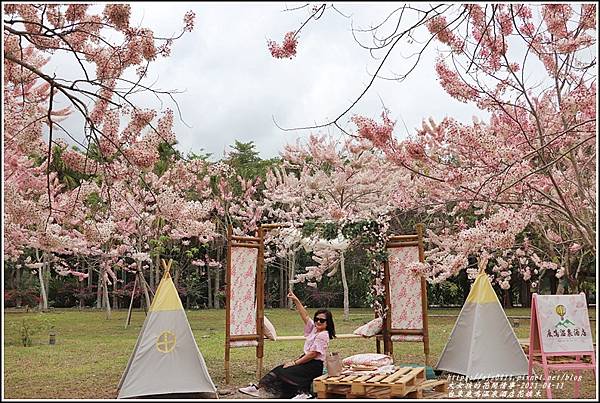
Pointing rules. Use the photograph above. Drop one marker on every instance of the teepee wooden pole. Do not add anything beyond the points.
(424, 303)
(228, 306)
(260, 303)
(166, 266)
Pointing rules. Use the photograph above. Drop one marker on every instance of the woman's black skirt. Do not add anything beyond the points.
(287, 382)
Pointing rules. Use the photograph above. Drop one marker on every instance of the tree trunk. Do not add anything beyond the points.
(157, 267)
(507, 299)
(525, 298)
(47, 269)
(345, 285)
(291, 274)
(217, 304)
(282, 289)
(152, 266)
(44, 296)
(209, 286)
(99, 291)
(105, 293)
(563, 286)
(553, 284)
(18, 302)
(115, 302)
(12, 274)
(144, 286)
(80, 295)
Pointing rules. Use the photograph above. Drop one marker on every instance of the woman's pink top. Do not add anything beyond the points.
(315, 341)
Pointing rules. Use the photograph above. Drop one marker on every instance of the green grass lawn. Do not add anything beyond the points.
(91, 352)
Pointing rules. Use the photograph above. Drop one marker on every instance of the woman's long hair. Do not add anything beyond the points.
(330, 324)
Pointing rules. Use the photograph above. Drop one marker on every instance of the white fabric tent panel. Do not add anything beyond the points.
(483, 344)
(455, 356)
(180, 370)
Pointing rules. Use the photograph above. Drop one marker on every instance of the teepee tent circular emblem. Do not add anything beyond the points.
(165, 343)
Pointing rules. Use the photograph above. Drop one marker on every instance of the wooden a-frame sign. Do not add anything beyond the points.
(560, 327)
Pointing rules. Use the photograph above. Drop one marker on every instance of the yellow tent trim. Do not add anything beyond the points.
(482, 291)
(166, 297)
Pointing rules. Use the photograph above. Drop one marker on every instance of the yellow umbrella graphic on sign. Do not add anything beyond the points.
(561, 311)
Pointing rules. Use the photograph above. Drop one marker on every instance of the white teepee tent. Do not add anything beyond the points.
(166, 358)
(483, 343)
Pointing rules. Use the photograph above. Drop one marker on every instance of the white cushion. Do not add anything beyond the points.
(269, 329)
(370, 329)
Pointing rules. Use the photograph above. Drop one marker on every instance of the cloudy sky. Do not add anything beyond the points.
(234, 89)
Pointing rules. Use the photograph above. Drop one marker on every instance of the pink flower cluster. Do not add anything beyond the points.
(118, 15)
(379, 134)
(188, 20)
(453, 84)
(287, 48)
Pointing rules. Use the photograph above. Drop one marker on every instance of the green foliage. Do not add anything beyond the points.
(309, 227)
(30, 326)
(245, 161)
(167, 154)
(443, 294)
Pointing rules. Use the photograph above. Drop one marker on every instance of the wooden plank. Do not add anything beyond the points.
(430, 383)
(400, 372)
(348, 378)
(398, 389)
(245, 238)
(246, 245)
(363, 378)
(339, 336)
(378, 392)
(376, 378)
(358, 389)
(416, 376)
(319, 387)
(333, 379)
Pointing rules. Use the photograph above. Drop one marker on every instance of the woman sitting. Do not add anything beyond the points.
(294, 377)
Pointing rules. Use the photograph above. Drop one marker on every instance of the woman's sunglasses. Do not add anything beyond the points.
(322, 320)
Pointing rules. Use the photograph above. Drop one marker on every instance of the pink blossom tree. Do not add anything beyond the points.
(328, 182)
(530, 168)
(103, 47)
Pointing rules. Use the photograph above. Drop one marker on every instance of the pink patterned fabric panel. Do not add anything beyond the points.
(405, 292)
(407, 337)
(243, 298)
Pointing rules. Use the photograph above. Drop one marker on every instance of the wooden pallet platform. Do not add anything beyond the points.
(400, 383)
(430, 389)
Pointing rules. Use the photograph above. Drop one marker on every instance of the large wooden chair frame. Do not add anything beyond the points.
(387, 332)
(404, 241)
(245, 242)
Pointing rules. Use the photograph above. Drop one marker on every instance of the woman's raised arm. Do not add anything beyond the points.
(299, 306)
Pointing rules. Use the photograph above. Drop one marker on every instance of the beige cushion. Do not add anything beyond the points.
(370, 329)
(269, 329)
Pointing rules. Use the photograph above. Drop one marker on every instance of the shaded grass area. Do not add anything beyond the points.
(91, 351)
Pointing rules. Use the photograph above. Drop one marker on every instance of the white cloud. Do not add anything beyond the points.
(234, 88)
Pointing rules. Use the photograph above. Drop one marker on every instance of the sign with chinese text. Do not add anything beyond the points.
(563, 322)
